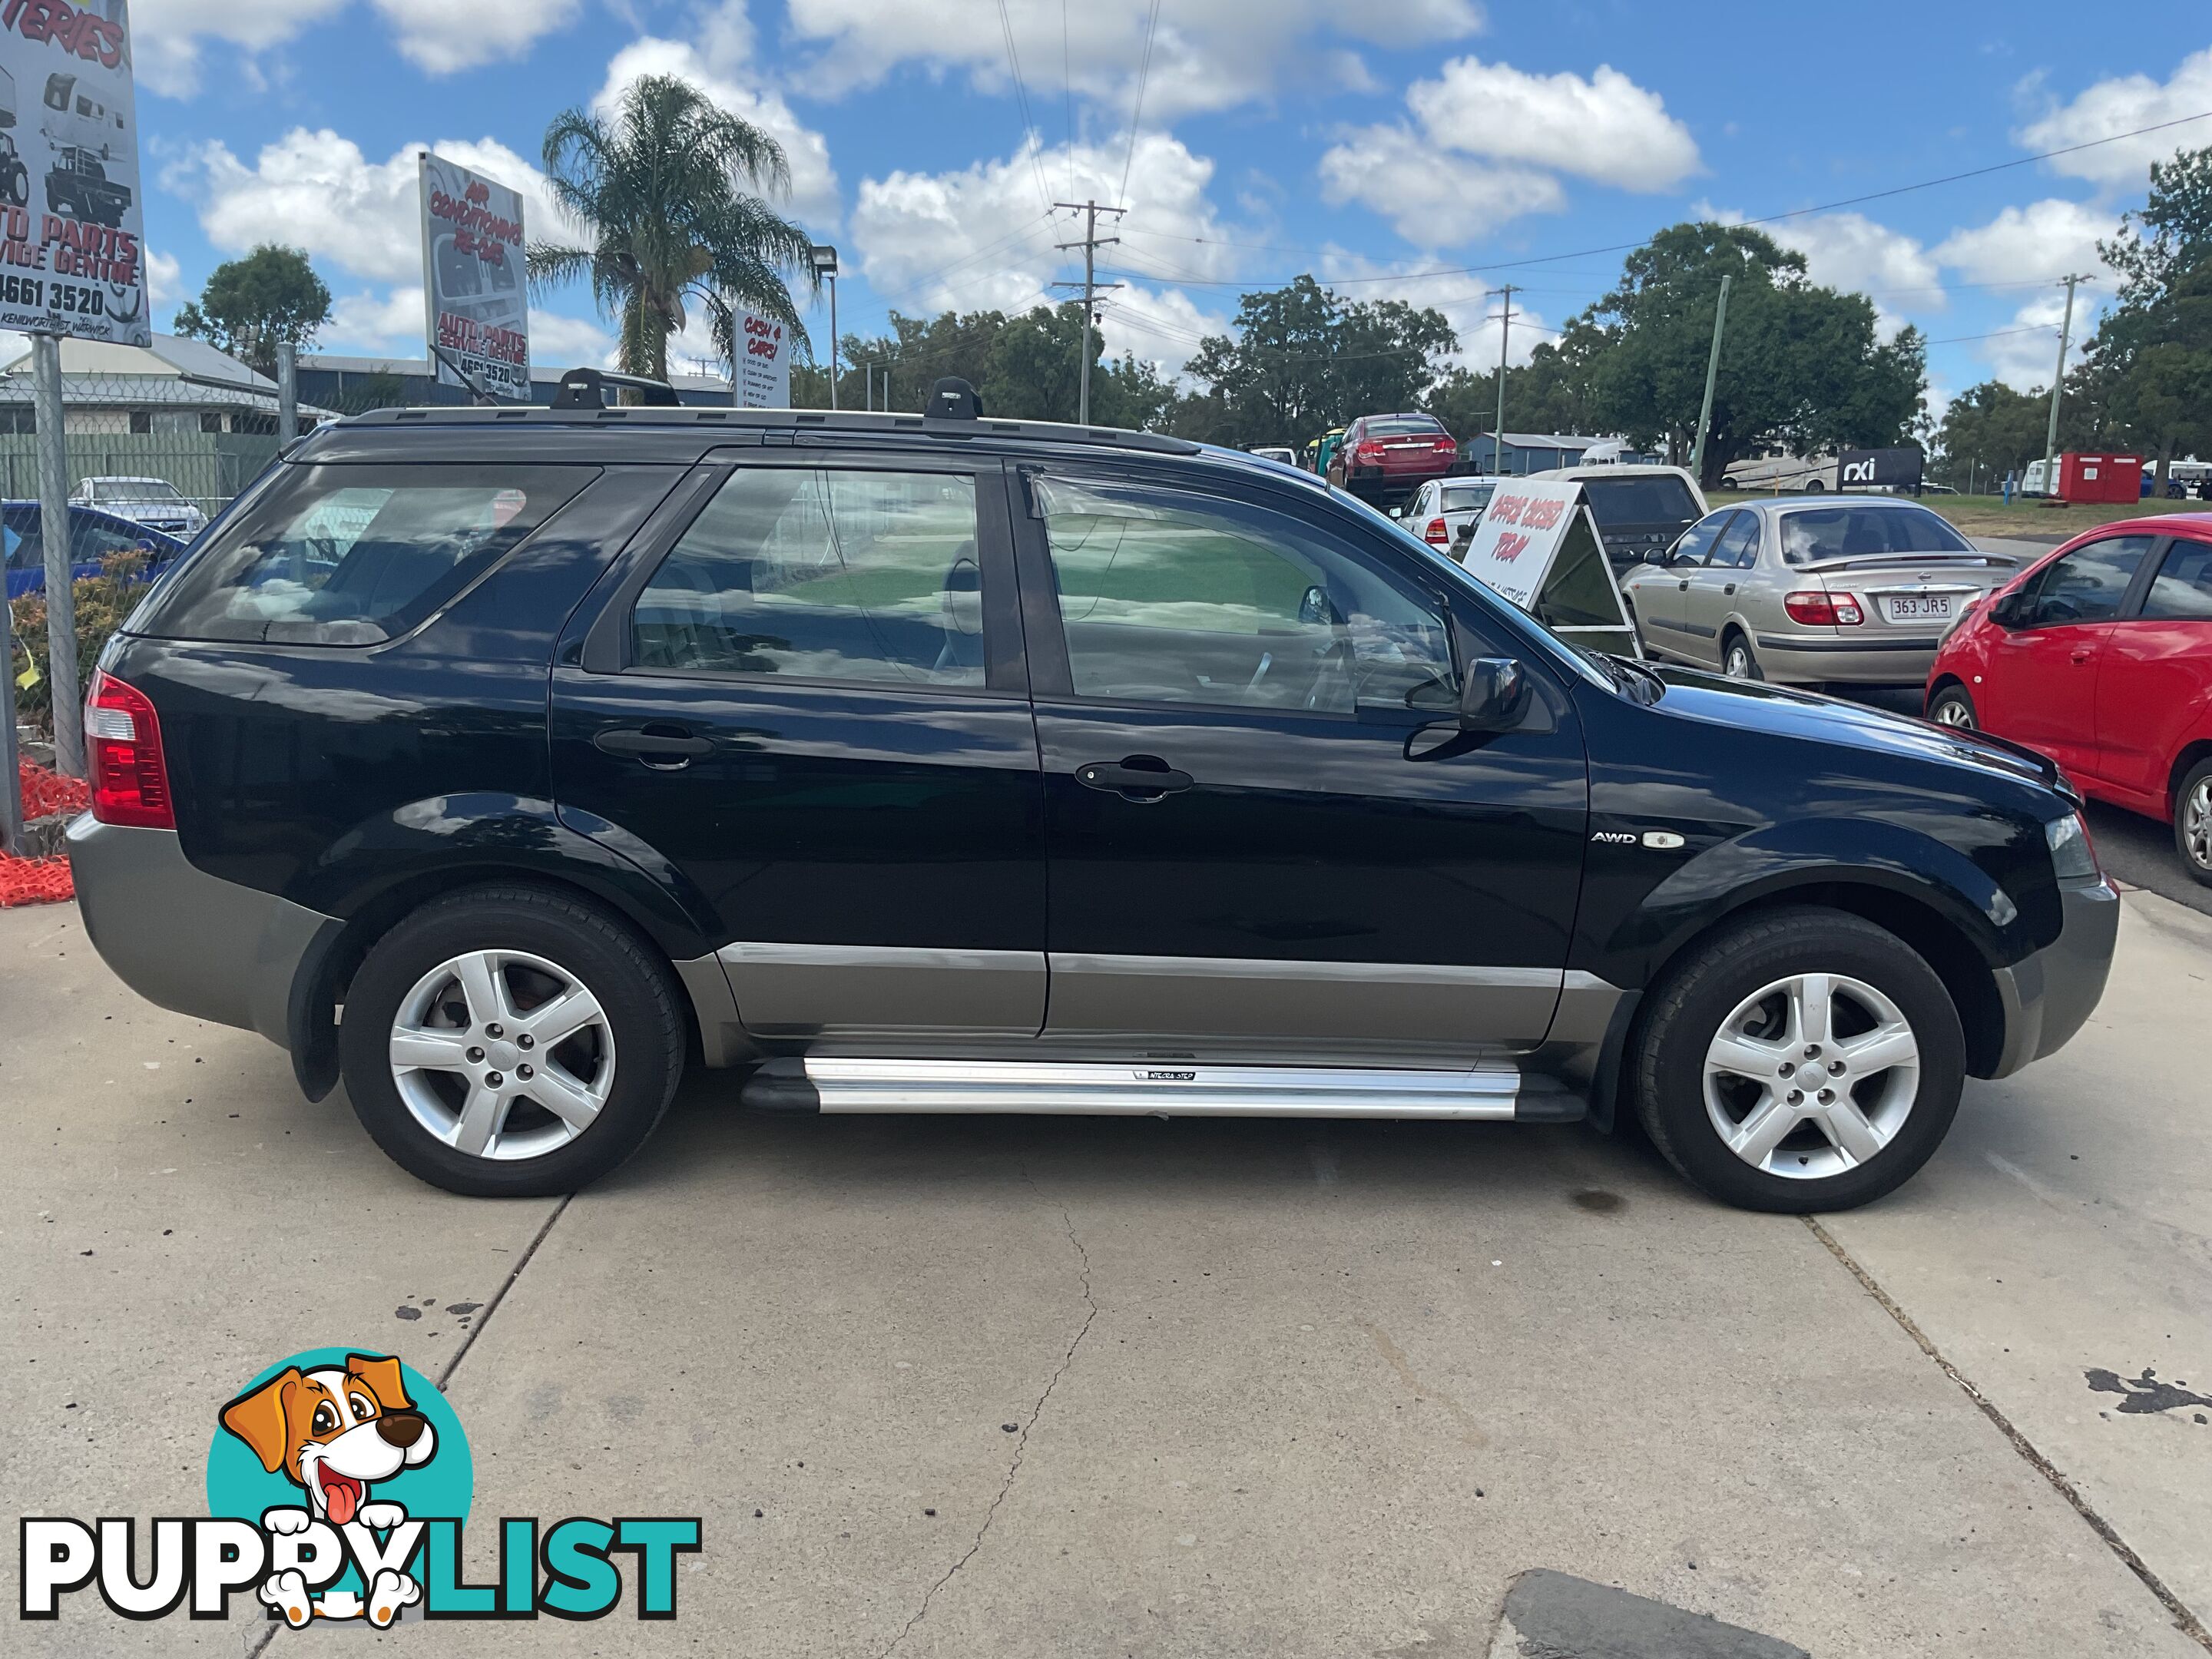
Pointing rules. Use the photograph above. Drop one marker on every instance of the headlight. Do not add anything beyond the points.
(2072, 857)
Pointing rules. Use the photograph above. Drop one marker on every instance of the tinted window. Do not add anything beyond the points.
(91, 540)
(2088, 584)
(1654, 499)
(356, 555)
(1174, 598)
(1738, 547)
(822, 574)
(1842, 532)
(1697, 540)
(1400, 426)
(2183, 587)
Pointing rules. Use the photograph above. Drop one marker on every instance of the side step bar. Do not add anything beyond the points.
(1168, 1088)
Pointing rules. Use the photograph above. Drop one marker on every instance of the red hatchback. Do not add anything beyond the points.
(2101, 657)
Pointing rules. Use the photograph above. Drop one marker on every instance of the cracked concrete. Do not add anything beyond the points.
(810, 1333)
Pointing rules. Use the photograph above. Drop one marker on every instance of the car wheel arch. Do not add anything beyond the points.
(2193, 753)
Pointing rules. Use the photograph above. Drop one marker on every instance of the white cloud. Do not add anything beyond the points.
(1161, 326)
(2123, 104)
(442, 36)
(317, 191)
(979, 239)
(375, 324)
(1473, 314)
(2023, 355)
(2043, 239)
(1433, 200)
(166, 35)
(558, 342)
(1207, 55)
(1850, 251)
(1606, 128)
(164, 278)
(712, 67)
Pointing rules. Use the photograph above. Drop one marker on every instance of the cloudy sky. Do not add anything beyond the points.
(1428, 149)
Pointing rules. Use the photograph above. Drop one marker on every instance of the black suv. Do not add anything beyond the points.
(506, 762)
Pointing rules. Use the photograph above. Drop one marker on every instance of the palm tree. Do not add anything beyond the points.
(661, 190)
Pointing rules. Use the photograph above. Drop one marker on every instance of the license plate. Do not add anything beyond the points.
(1918, 607)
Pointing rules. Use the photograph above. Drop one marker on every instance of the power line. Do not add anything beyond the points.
(1030, 140)
(1067, 93)
(1136, 113)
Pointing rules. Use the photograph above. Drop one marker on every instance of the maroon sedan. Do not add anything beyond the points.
(1386, 458)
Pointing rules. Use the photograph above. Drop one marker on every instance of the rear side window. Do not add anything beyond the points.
(2183, 587)
(354, 556)
(822, 574)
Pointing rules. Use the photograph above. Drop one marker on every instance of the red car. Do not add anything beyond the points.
(2101, 657)
(1386, 458)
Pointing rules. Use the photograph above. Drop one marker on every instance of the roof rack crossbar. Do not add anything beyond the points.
(587, 388)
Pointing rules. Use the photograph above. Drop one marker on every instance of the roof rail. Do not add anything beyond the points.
(587, 388)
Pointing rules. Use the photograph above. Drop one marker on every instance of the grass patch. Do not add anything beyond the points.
(1991, 515)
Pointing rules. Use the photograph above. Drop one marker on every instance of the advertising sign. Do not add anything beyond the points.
(1886, 469)
(473, 279)
(72, 249)
(1537, 547)
(763, 371)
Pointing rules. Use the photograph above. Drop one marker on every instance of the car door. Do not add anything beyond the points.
(2156, 678)
(1661, 593)
(1263, 844)
(1708, 591)
(2044, 671)
(809, 699)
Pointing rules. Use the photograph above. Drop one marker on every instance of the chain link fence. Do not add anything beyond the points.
(147, 459)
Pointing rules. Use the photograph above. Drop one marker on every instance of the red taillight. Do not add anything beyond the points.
(1449, 444)
(1437, 534)
(1369, 450)
(1818, 610)
(122, 739)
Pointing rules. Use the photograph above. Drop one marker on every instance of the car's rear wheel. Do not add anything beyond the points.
(1801, 1060)
(1952, 707)
(511, 1042)
(1737, 661)
(2192, 821)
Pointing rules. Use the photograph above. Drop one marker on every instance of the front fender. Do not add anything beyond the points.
(1774, 859)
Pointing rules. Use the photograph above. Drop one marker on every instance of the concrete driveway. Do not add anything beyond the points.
(1001, 1386)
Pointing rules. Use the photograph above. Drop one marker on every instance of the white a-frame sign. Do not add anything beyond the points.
(1537, 546)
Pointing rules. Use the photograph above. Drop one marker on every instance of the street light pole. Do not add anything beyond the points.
(2057, 385)
(825, 267)
(1712, 373)
(1497, 432)
(1091, 242)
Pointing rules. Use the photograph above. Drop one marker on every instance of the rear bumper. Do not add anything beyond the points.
(187, 941)
(2050, 995)
(1898, 660)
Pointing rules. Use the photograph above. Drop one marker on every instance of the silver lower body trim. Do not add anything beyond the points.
(885, 990)
(1167, 1088)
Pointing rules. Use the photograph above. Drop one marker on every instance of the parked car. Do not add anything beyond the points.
(2099, 656)
(558, 750)
(94, 535)
(1281, 454)
(1444, 511)
(155, 503)
(1385, 457)
(1812, 589)
(1640, 510)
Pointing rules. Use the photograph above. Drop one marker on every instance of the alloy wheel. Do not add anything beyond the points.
(1812, 1076)
(1738, 664)
(1954, 712)
(2196, 823)
(502, 1055)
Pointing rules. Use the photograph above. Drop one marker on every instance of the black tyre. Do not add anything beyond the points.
(1954, 707)
(2192, 821)
(1738, 660)
(1801, 1060)
(511, 1042)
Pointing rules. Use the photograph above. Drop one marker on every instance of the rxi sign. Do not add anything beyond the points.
(72, 244)
(1879, 469)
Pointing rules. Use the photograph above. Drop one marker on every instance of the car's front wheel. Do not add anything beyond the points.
(1804, 1059)
(2192, 821)
(1954, 707)
(511, 1042)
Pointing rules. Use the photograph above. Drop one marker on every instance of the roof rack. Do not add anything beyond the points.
(578, 412)
(587, 388)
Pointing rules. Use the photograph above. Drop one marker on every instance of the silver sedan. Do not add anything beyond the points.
(1809, 589)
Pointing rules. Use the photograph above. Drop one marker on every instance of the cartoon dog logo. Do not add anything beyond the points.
(333, 1431)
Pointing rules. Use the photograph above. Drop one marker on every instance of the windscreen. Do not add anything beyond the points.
(1651, 499)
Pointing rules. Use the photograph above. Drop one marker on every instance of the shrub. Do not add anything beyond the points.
(102, 603)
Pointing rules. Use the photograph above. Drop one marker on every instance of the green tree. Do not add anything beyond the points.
(2149, 364)
(251, 306)
(1988, 431)
(661, 189)
(1801, 365)
(1553, 392)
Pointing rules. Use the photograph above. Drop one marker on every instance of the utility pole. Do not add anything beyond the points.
(2057, 385)
(67, 700)
(1712, 373)
(1091, 242)
(1497, 432)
